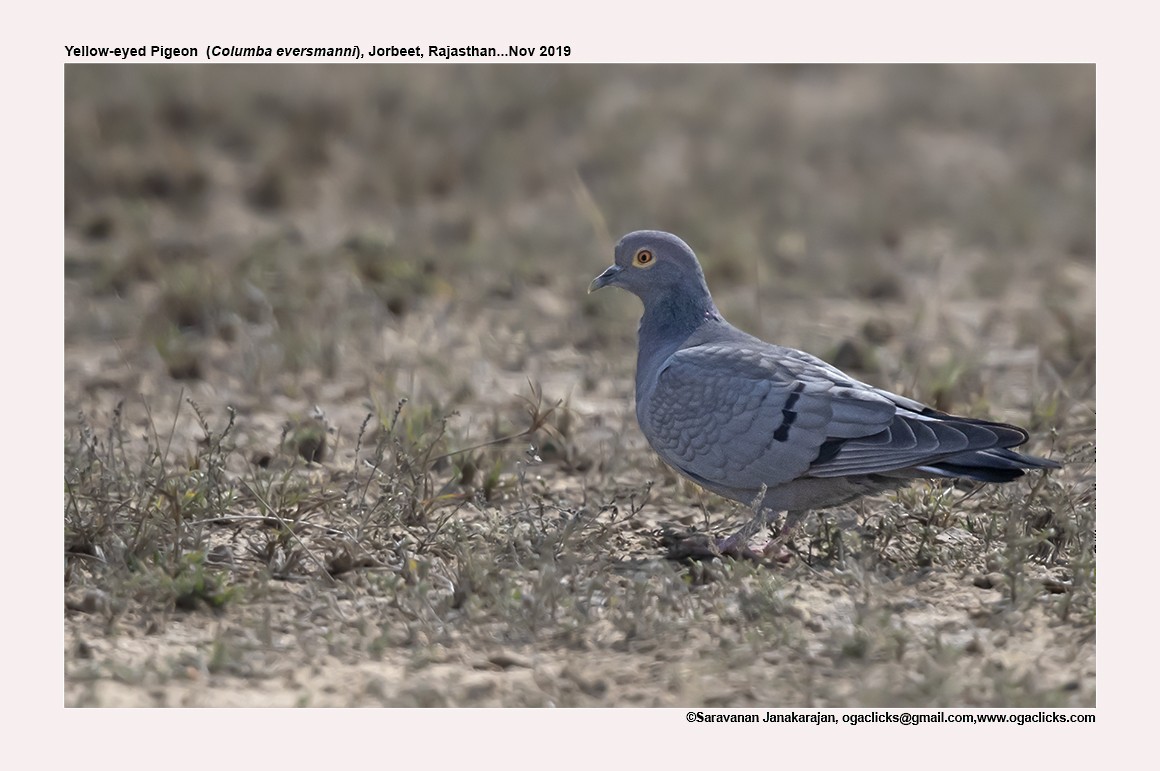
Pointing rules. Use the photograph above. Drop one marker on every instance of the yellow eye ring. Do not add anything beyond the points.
(643, 258)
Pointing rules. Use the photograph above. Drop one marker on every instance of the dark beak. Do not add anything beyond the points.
(605, 278)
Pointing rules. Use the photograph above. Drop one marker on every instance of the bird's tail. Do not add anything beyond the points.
(993, 465)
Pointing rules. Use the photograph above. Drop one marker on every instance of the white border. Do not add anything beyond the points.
(1109, 34)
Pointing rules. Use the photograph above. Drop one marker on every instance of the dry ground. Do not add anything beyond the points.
(263, 262)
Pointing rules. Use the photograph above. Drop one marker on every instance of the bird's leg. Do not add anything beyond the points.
(792, 519)
(737, 545)
(703, 546)
(776, 548)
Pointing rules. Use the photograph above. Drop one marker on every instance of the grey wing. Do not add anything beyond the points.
(738, 417)
(916, 435)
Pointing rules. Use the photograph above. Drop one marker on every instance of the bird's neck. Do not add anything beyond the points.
(666, 324)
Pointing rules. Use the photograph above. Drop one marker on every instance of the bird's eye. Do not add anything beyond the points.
(643, 258)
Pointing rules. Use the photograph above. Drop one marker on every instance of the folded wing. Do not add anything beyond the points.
(742, 416)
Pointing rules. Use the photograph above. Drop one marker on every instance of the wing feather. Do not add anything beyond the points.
(740, 416)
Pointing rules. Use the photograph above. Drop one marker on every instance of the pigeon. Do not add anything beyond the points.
(773, 427)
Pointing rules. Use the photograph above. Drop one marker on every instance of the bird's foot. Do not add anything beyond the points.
(777, 548)
(737, 547)
(702, 546)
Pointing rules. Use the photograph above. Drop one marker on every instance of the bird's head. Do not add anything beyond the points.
(653, 265)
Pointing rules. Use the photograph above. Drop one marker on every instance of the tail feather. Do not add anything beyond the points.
(993, 465)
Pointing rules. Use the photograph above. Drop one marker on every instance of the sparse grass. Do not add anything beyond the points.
(416, 563)
(341, 423)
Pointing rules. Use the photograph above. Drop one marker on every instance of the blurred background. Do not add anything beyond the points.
(315, 233)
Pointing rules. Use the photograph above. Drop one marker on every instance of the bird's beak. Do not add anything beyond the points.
(605, 278)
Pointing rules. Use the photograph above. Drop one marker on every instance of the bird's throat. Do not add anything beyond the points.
(665, 326)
